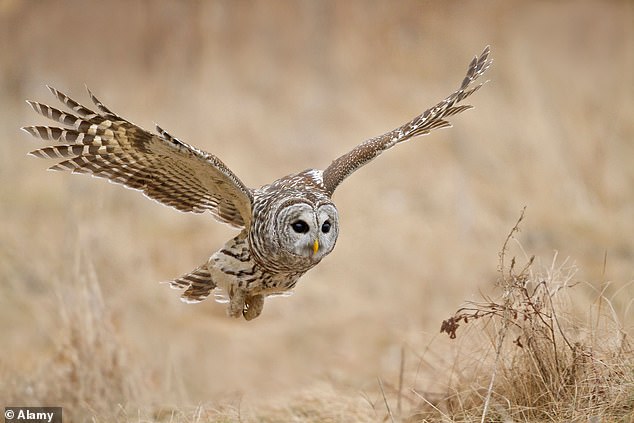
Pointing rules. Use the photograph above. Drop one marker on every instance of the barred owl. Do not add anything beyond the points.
(287, 227)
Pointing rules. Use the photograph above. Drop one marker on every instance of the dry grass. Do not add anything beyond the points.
(88, 370)
(547, 365)
(274, 87)
(544, 363)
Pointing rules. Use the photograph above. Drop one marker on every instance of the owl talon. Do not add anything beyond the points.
(253, 307)
(236, 302)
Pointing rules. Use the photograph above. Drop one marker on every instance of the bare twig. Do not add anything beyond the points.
(504, 249)
(444, 415)
(389, 412)
(400, 382)
(507, 312)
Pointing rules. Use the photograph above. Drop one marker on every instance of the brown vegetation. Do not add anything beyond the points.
(547, 365)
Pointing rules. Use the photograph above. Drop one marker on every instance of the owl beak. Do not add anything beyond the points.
(315, 247)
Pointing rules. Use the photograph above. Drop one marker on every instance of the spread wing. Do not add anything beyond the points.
(422, 124)
(164, 168)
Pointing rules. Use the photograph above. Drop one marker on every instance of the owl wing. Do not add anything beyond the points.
(422, 124)
(164, 168)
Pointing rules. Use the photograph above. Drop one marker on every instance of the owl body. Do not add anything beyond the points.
(301, 227)
(286, 227)
(233, 277)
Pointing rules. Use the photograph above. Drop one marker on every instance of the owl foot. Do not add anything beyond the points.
(244, 305)
(237, 297)
(253, 307)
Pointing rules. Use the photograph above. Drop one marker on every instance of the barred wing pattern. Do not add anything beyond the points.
(197, 284)
(166, 169)
(422, 124)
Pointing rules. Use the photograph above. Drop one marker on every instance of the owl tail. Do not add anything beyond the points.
(197, 285)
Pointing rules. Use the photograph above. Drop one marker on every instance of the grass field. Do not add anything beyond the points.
(276, 87)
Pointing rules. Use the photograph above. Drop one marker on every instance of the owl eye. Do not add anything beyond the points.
(300, 226)
(325, 227)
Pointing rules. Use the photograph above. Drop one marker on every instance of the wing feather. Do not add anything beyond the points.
(166, 169)
(433, 118)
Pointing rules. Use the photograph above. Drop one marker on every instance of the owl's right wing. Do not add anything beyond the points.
(164, 168)
(433, 118)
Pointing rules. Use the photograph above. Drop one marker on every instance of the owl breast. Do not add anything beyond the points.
(233, 269)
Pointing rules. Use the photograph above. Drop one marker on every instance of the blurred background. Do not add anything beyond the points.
(274, 87)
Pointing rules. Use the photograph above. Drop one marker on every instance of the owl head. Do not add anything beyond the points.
(307, 230)
(304, 232)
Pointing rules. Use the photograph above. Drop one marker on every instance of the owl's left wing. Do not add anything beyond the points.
(422, 124)
(166, 169)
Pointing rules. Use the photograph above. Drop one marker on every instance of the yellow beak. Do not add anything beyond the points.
(315, 247)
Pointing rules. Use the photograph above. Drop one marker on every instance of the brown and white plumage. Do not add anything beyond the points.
(287, 226)
(432, 118)
(163, 167)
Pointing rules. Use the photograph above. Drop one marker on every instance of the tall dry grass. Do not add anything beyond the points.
(88, 369)
(274, 87)
(547, 363)
(527, 355)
